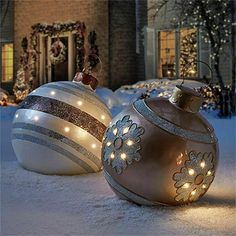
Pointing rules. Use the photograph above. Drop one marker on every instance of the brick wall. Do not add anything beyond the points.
(94, 13)
(122, 41)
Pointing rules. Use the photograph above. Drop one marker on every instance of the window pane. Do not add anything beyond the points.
(7, 62)
(188, 53)
(167, 54)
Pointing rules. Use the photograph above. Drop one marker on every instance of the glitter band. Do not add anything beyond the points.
(67, 113)
(54, 147)
(59, 137)
(152, 117)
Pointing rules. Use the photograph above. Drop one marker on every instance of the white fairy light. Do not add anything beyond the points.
(52, 93)
(17, 115)
(108, 143)
(130, 142)
(80, 103)
(123, 156)
(193, 192)
(202, 164)
(115, 131)
(186, 185)
(191, 172)
(112, 156)
(36, 118)
(93, 145)
(103, 117)
(66, 129)
(125, 130)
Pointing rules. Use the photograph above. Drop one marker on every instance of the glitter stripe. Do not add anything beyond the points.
(67, 113)
(128, 194)
(61, 138)
(54, 147)
(151, 116)
(70, 91)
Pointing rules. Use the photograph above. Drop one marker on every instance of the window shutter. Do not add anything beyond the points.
(150, 56)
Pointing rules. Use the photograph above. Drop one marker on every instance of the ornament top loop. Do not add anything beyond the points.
(186, 99)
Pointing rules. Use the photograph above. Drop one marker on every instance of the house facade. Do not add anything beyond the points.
(115, 23)
(168, 46)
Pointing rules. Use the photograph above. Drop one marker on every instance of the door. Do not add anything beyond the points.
(52, 72)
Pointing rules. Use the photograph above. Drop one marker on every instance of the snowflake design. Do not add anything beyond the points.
(195, 177)
(122, 144)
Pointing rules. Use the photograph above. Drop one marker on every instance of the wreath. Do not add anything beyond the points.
(57, 52)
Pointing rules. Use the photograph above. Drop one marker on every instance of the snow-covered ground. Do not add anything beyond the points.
(34, 204)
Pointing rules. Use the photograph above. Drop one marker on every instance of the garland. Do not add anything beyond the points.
(57, 28)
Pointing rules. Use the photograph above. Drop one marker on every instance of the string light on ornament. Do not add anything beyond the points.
(67, 131)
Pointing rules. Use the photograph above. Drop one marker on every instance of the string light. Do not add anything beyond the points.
(66, 129)
(16, 115)
(115, 131)
(108, 143)
(52, 93)
(112, 156)
(125, 130)
(191, 172)
(208, 172)
(80, 103)
(123, 156)
(36, 118)
(130, 142)
(93, 145)
(193, 192)
(103, 117)
(186, 185)
(202, 164)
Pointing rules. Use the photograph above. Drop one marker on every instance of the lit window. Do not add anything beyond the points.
(7, 62)
(167, 54)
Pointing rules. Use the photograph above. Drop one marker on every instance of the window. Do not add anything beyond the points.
(178, 53)
(167, 54)
(7, 62)
(188, 53)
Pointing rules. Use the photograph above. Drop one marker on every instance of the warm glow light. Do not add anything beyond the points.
(112, 156)
(80, 103)
(93, 145)
(67, 129)
(202, 164)
(186, 185)
(204, 186)
(115, 131)
(103, 117)
(193, 192)
(123, 156)
(108, 143)
(36, 118)
(191, 172)
(125, 130)
(208, 172)
(52, 92)
(17, 116)
(130, 142)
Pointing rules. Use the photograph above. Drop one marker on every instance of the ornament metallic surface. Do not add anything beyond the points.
(165, 150)
(164, 124)
(65, 112)
(122, 144)
(128, 194)
(195, 177)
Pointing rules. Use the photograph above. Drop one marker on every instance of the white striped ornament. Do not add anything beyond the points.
(48, 135)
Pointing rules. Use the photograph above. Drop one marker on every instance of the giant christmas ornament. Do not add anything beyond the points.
(59, 127)
(161, 151)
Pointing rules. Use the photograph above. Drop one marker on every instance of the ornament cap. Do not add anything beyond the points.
(186, 98)
(86, 79)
